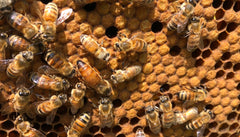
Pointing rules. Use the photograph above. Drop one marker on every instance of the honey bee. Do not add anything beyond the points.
(49, 107)
(196, 94)
(122, 75)
(94, 48)
(20, 63)
(93, 78)
(22, 24)
(18, 43)
(194, 38)
(78, 125)
(152, 117)
(24, 127)
(50, 20)
(185, 116)
(76, 98)
(3, 45)
(21, 99)
(180, 20)
(50, 82)
(59, 63)
(168, 116)
(6, 6)
(140, 133)
(133, 44)
(203, 118)
(106, 112)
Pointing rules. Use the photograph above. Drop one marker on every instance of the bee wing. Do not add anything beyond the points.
(181, 27)
(45, 69)
(4, 64)
(201, 130)
(36, 10)
(65, 14)
(201, 44)
(51, 116)
(38, 133)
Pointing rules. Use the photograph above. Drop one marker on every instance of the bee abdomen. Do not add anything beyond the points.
(17, 21)
(18, 43)
(50, 12)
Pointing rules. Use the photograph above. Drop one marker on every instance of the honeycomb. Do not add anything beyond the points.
(167, 66)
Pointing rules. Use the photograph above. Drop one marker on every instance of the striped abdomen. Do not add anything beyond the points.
(193, 41)
(50, 12)
(195, 124)
(186, 95)
(18, 43)
(79, 124)
(17, 21)
(178, 20)
(168, 118)
(48, 106)
(139, 45)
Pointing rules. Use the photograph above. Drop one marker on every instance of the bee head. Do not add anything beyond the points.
(63, 97)
(195, 19)
(24, 92)
(149, 109)
(193, 2)
(210, 113)
(72, 74)
(164, 99)
(117, 46)
(3, 35)
(114, 78)
(81, 86)
(28, 55)
(66, 84)
(104, 101)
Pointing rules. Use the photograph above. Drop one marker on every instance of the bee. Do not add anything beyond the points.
(106, 112)
(122, 75)
(24, 127)
(94, 48)
(22, 24)
(20, 63)
(180, 20)
(3, 45)
(50, 20)
(185, 116)
(196, 94)
(49, 107)
(93, 78)
(6, 6)
(18, 43)
(168, 116)
(21, 99)
(203, 118)
(76, 98)
(152, 117)
(133, 44)
(50, 82)
(194, 38)
(140, 133)
(59, 63)
(78, 125)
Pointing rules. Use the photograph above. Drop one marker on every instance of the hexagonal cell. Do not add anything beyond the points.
(117, 103)
(219, 14)
(90, 7)
(223, 126)
(220, 73)
(164, 87)
(206, 53)
(98, 135)
(213, 135)
(209, 106)
(235, 135)
(46, 128)
(204, 80)
(13, 134)
(236, 67)
(175, 50)
(36, 125)
(196, 53)
(94, 129)
(3, 117)
(141, 112)
(212, 125)
(156, 26)
(231, 26)
(227, 65)
(52, 134)
(123, 120)
(225, 135)
(59, 128)
(214, 45)
(7, 125)
(116, 129)
(105, 130)
(226, 56)
(62, 110)
(216, 3)
(111, 32)
(236, 7)
(3, 133)
(134, 121)
(234, 126)
(221, 25)
(222, 36)
(227, 4)
(199, 62)
(206, 132)
(229, 75)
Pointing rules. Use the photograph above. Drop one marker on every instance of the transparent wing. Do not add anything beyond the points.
(45, 69)
(4, 64)
(65, 14)
(181, 27)
(38, 133)
(51, 117)
(201, 43)
(201, 130)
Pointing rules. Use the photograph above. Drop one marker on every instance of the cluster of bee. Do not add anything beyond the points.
(184, 19)
(47, 76)
(169, 117)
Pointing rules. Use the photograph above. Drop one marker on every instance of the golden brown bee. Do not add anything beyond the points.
(93, 78)
(106, 112)
(203, 118)
(50, 20)
(18, 43)
(50, 82)
(122, 75)
(133, 44)
(3, 45)
(152, 117)
(187, 115)
(59, 63)
(140, 133)
(21, 99)
(195, 38)
(49, 107)
(22, 24)
(180, 20)
(20, 63)
(76, 98)
(6, 6)
(24, 127)
(168, 116)
(78, 125)
(94, 48)
(196, 94)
